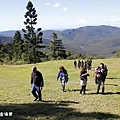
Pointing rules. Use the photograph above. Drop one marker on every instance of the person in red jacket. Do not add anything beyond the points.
(37, 83)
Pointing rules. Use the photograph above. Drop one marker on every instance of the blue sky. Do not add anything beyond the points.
(60, 14)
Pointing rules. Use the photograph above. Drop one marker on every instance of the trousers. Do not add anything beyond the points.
(100, 83)
(35, 89)
(83, 88)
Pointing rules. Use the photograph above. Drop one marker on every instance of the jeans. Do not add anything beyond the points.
(100, 83)
(83, 88)
(34, 89)
(63, 84)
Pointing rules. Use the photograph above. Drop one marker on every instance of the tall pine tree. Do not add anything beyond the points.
(2, 54)
(17, 46)
(8, 51)
(57, 48)
(33, 38)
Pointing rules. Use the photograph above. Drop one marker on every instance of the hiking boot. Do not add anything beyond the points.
(39, 99)
(35, 99)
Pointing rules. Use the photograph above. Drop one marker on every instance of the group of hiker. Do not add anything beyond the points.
(81, 64)
(100, 74)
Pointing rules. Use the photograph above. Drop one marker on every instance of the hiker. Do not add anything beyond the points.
(96, 74)
(89, 64)
(82, 64)
(83, 80)
(75, 64)
(106, 70)
(37, 84)
(102, 73)
(79, 64)
(85, 64)
(63, 75)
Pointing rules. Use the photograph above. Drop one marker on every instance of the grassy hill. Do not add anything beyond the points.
(15, 95)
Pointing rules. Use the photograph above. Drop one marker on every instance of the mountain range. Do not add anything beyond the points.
(89, 40)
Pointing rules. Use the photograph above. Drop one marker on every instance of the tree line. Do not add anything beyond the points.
(29, 49)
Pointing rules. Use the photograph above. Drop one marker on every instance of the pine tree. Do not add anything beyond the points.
(57, 48)
(8, 51)
(61, 53)
(17, 46)
(33, 38)
(2, 54)
(53, 45)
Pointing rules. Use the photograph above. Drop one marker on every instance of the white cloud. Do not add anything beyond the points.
(65, 9)
(82, 21)
(85, 22)
(61, 24)
(115, 20)
(56, 5)
(48, 4)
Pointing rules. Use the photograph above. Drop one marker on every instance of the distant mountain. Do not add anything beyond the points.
(90, 40)
(9, 33)
(93, 40)
(4, 39)
(7, 36)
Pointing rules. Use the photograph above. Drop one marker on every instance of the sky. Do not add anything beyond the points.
(60, 14)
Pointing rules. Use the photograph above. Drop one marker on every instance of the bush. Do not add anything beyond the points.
(99, 57)
(117, 55)
(18, 63)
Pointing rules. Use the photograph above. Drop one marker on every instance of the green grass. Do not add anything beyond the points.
(15, 95)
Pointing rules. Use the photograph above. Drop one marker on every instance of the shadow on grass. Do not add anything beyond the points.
(51, 111)
(61, 102)
(112, 84)
(111, 93)
(112, 78)
(75, 90)
(106, 93)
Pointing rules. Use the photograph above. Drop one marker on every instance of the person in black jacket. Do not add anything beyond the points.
(103, 73)
(83, 80)
(37, 83)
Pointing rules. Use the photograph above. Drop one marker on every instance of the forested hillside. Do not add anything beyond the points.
(90, 40)
(4, 39)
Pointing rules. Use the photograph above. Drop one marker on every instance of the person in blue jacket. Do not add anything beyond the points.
(63, 76)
